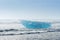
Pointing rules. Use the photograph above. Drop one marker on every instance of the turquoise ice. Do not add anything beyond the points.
(35, 25)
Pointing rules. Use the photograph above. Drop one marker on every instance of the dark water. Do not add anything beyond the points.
(12, 32)
(30, 34)
(18, 32)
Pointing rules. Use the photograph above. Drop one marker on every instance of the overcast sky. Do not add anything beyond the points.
(29, 9)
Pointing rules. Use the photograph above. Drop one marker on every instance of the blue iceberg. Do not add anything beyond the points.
(35, 24)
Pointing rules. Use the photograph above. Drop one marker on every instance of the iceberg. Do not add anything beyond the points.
(35, 24)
